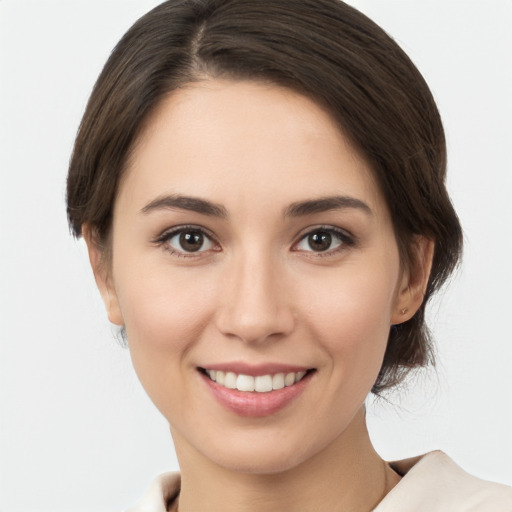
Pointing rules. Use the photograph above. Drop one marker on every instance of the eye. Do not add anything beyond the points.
(323, 240)
(187, 240)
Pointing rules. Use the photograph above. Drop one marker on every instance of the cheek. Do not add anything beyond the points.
(164, 314)
(351, 320)
(161, 303)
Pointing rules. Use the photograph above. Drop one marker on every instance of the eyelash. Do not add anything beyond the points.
(166, 236)
(346, 239)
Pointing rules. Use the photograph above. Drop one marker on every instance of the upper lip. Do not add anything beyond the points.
(241, 368)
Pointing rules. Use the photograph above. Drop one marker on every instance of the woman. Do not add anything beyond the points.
(261, 189)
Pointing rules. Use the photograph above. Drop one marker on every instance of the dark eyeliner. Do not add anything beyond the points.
(347, 239)
(162, 239)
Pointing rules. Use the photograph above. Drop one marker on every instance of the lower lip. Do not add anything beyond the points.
(254, 404)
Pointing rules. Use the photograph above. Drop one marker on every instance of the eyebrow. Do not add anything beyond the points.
(325, 204)
(297, 209)
(194, 204)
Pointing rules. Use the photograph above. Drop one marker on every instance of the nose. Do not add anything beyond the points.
(255, 305)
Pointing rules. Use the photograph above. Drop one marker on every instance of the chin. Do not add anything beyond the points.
(262, 463)
(267, 453)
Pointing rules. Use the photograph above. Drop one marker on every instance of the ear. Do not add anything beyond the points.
(414, 280)
(102, 274)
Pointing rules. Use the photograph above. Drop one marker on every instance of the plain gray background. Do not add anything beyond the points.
(77, 432)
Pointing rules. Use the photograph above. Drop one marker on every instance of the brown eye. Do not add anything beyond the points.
(324, 240)
(320, 241)
(188, 240)
(191, 241)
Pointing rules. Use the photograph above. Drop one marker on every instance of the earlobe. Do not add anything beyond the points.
(102, 274)
(414, 280)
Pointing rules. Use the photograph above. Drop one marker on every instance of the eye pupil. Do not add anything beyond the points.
(191, 241)
(320, 241)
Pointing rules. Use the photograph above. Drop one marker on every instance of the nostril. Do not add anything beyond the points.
(252, 305)
(253, 324)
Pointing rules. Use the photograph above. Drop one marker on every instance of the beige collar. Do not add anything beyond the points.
(430, 483)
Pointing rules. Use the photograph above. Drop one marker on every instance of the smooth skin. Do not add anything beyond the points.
(252, 275)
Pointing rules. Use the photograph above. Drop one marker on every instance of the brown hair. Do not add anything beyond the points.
(324, 49)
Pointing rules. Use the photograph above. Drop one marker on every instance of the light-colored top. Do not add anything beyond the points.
(430, 483)
(434, 483)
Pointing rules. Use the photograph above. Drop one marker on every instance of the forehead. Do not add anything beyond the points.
(237, 141)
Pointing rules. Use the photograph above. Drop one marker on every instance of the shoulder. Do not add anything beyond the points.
(435, 483)
(431, 483)
(162, 491)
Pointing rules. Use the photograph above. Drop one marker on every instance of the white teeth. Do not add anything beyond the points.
(278, 381)
(245, 383)
(289, 379)
(263, 383)
(230, 380)
(259, 384)
(299, 375)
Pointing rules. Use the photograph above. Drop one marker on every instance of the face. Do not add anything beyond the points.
(252, 248)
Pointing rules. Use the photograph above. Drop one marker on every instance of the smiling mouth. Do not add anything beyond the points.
(258, 384)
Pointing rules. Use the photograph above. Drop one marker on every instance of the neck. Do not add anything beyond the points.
(346, 475)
